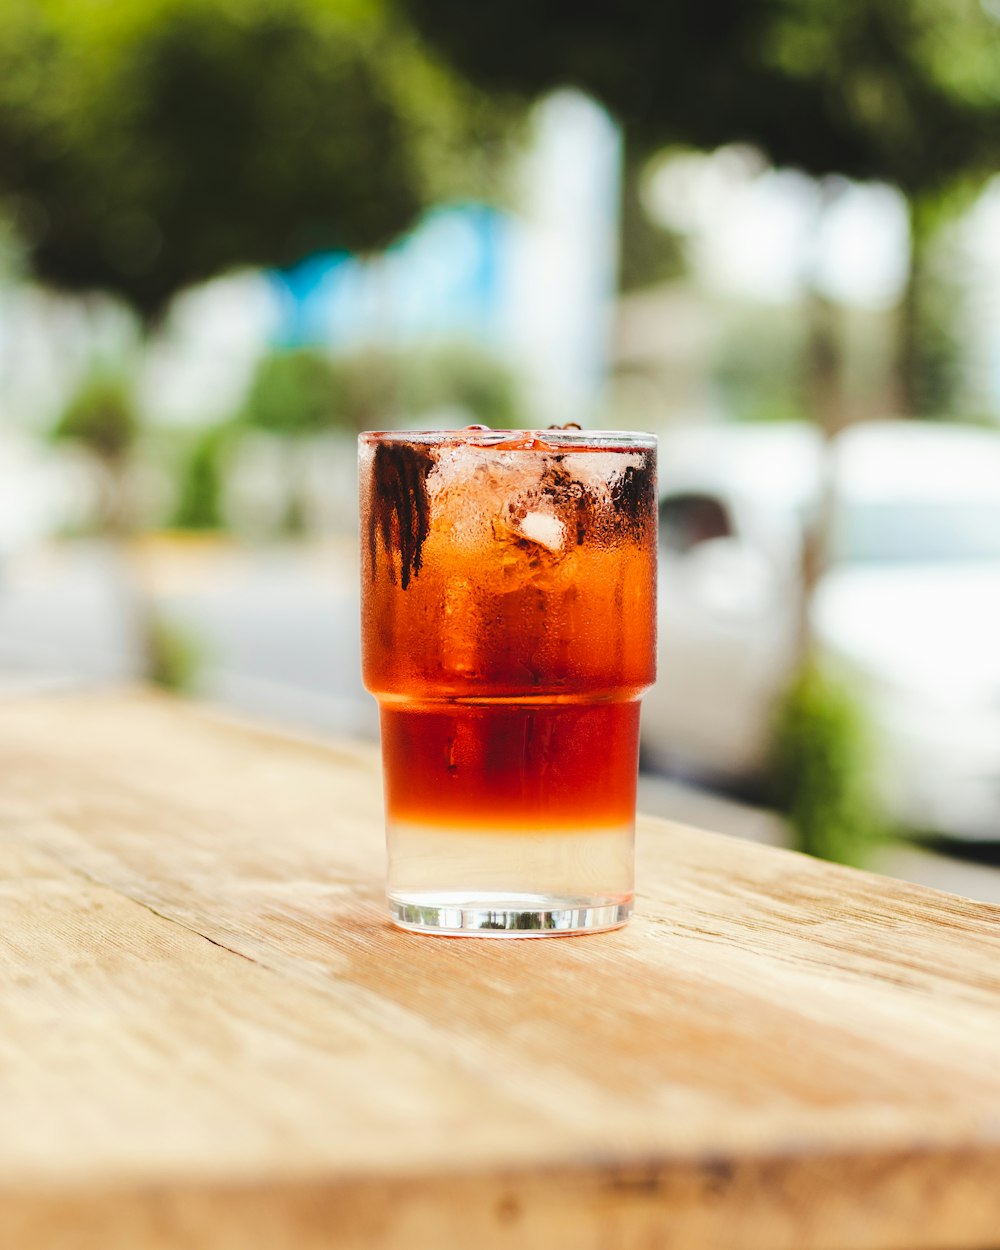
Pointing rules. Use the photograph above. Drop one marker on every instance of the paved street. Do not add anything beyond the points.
(276, 631)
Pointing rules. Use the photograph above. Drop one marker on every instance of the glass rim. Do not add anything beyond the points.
(493, 439)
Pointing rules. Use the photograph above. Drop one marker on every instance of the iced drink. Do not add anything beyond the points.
(508, 618)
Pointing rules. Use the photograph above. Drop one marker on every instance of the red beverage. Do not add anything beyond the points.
(508, 611)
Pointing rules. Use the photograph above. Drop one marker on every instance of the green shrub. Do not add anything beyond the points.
(821, 769)
(202, 472)
(174, 657)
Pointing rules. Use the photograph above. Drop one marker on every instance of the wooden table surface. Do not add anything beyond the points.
(211, 1037)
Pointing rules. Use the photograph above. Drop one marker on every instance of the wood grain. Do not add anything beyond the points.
(211, 1037)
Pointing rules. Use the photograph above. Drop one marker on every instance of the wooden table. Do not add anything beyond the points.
(211, 1037)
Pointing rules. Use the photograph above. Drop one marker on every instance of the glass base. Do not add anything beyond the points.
(507, 915)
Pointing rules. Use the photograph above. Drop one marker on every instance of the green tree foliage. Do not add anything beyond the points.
(296, 393)
(146, 145)
(649, 252)
(902, 90)
(305, 392)
(919, 84)
(916, 82)
(462, 378)
(300, 395)
(102, 419)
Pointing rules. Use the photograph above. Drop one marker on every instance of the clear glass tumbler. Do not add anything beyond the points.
(509, 629)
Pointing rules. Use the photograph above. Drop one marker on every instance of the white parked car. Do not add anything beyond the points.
(908, 607)
(911, 607)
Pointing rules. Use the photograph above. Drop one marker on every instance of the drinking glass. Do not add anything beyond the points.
(509, 629)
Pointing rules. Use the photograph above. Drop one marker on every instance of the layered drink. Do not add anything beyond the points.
(508, 620)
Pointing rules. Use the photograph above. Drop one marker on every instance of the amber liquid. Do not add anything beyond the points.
(558, 766)
(509, 666)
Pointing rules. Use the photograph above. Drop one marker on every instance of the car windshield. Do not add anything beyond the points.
(909, 531)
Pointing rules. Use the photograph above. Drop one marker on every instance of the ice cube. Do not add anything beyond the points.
(543, 528)
(598, 473)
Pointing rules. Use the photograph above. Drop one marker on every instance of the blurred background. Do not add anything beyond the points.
(233, 233)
